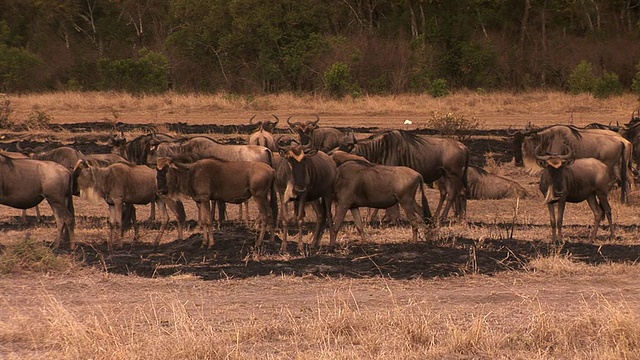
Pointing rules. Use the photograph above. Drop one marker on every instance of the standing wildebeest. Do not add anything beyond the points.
(485, 185)
(362, 184)
(323, 139)
(24, 183)
(605, 145)
(432, 157)
(566, 179)
(18, 155)
(122, 183)
(136, 150)
(311, 177)
(229, 181)
(263, 136)
(200, 147)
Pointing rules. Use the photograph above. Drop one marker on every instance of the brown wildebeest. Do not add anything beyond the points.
(24, 183)
(605, 145)
(432, 157)
(229, 181)
(362, 184)
(482, 184)
(17, 155)
(263, 136)
(566, 179)
(124, 183)
(315, 137)
(311, 177)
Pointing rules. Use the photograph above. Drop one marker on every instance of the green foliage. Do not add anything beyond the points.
(18, 69)
(32, 255)
(454, 125)
(438, 88)
(337, 80)
(5, 114)
(149, 73)
(635, 85)
(582, 79)
(608, 85)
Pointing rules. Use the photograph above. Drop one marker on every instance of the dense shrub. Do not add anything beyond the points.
(438, 87)
(149, 73)
(635, 84)
(608, 85)
(582, 79)
(18, 70)
(338, 81)
(453, 125)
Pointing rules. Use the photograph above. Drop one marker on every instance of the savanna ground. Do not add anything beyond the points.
(489, 287)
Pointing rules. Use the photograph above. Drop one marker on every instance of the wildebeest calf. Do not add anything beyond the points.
(361, 184)
(566, 179)
(123, 183)
(229, 181)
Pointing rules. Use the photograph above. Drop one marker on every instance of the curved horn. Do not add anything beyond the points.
(18, 147)
(568, 155)
(289, 121)
(154, 137)
(317, 119)
(250, 120)
(539, 156)
(277, 120)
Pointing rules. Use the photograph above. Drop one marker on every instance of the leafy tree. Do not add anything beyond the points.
(19, 70)
(147, 74)
(582, 78)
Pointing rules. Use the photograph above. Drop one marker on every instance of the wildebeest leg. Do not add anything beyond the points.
(112, 226)
(204, 217)
(152, 212)
(263, 210)
(357, 220)
(327, 202)
(321, 222)
(38, 216)
(604, 203)
(597, 215)
(561, 206)
(63, 224)
(341, 211)
(392, 215)
(177, 209)
(164, 219)
(299, 219)
(117, 208)
(552, 220)
(409, 209)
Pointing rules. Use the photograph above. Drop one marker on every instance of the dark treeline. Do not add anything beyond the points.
(340, 47)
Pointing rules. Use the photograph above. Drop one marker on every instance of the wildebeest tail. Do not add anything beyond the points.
(273, 203)
(128, 216)
(426, 212)
(623, 175)
(182, 215)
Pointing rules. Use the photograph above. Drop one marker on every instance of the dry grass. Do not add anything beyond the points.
(167, 327)
(492, 109)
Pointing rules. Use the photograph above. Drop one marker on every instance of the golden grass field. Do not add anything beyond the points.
(491, 287)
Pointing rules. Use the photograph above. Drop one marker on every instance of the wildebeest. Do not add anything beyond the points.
(311, 177)
(432, 157)
(605, 145)
(485, 185)
(263, 136)
(229, 181)
(136, 150)
(362, 184)
(319, 138)
(566, 179)
(24, 183)
(125, 183)
(18, 155)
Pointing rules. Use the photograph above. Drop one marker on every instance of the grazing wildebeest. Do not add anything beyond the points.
(605, 145)
(319, 138)
(485, 185)
(263, 135)
(566, 179)
(229, 181)
(24, 183)
(311, 179)
(432, 157)
(125, 183)
(362, 184)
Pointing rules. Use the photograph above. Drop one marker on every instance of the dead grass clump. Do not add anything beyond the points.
(35, 256)
(565, 264)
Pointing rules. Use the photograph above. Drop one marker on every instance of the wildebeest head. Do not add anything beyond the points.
(297, 157)
(304, 129)
(266, 125)
(555, 165)
(84, 182)
(518, 138)
(348, 143)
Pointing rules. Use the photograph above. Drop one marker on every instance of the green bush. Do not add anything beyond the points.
(453, 125)
(18, 70)
(608, 85)
(149, 73)
(438, 88)
(582, 79)
(337, 80)
(635, 84)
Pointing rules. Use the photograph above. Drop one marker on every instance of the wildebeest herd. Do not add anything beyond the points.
(323, 167)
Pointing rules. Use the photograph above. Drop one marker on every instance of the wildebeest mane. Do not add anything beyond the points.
(392, 146)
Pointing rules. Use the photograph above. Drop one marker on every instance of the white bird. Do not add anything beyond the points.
(408, 122)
